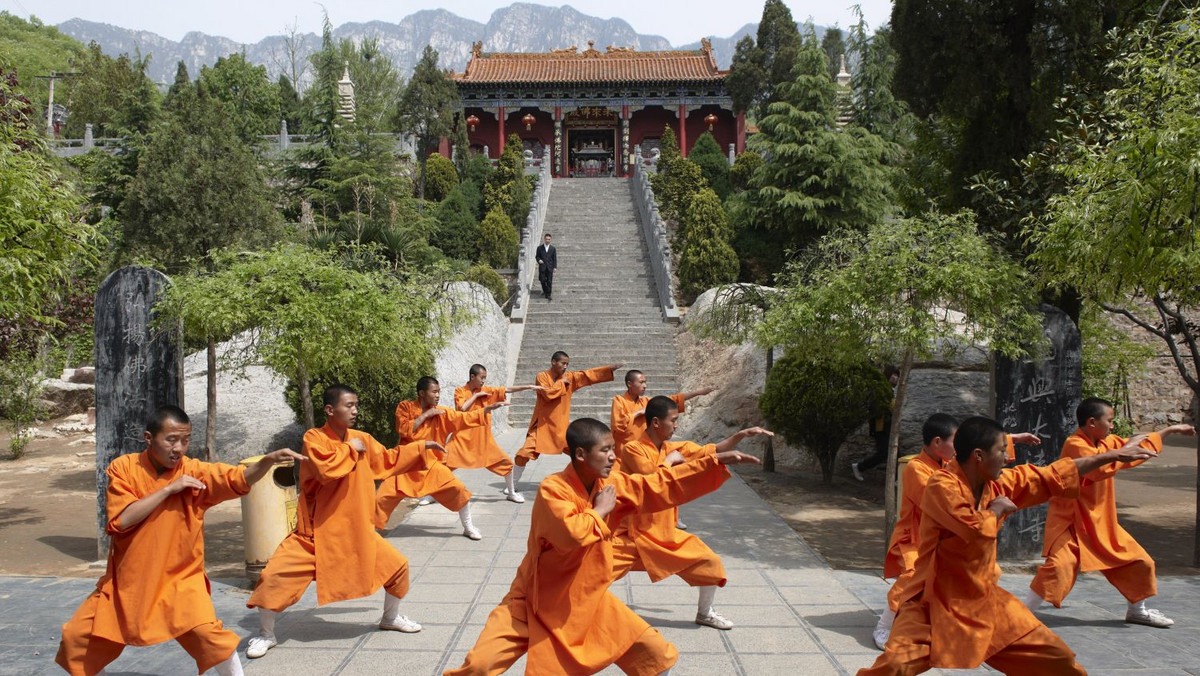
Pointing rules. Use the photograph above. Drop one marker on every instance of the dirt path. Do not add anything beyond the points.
(1156, 504)
(48, 513)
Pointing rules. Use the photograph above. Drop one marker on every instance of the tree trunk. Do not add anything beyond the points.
(423, 160)
(1196, 533)
(210, 421)
(768, 463)
(305, 397)
(827, 462)
(890, 483)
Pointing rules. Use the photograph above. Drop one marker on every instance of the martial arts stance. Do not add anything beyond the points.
(559, 609)
(547, 433)
(1083, 534)
(901, 558)
(154, 588)
(649, 540)
(334, 543)
(475, 447)
(954, 615)
(423, 420)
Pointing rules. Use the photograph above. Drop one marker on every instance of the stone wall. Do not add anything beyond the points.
(1158, 396)
(484, 341)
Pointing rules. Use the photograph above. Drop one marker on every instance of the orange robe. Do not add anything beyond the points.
(559, 608)
(436, 479)
(334, 542)
(475, 447)
(649, 540)
(1083, 534)
(625, 427)
(154, 588)
(547, 433)
(901, 558)
(957, 614)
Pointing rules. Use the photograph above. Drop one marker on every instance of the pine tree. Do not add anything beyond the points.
(427, 107)
(713, 163)
(498, 240)
(833, 43)
(778, 44)
(706, 258)
(747, 77)
(817, 178)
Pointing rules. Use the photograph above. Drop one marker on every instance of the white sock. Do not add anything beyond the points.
(518, 470)
(230, 667)
(1032, 600)
(1138, 607)
(391, 607)
(266, 622)
(666, 673)
(510, 482)
(705, 603)
(464, 515)
(886, 620)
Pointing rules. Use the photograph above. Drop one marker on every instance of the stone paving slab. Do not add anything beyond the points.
(794, 614)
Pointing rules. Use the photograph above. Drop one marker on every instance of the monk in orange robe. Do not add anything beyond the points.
(628, 417)
(955, 615)
(423, 420)
(475, 447)
(547, 433)
(154, 588)
(559, 609)
(649, 540)
(1083, 534)
(900, 560)
(334, 543)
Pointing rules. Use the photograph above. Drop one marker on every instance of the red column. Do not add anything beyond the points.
(683, 146)
(561, 148)
(500, 118)
(740, 144)
(444, 147)
(621, 156)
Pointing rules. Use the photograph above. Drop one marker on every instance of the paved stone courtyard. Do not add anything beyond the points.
(794, 615)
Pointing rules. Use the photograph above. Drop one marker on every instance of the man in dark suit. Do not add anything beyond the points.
(547, 260)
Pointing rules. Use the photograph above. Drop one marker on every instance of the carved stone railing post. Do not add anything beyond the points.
(530, 235)
(654, 231)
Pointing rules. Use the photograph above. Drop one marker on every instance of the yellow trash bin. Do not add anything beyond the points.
(268, 514)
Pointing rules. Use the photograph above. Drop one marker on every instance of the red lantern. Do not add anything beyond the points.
(529, 119)
(710, 120)
(472, 121)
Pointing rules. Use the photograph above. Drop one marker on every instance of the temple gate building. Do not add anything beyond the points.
(592, 108)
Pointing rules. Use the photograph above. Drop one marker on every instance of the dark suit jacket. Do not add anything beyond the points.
(547, 259)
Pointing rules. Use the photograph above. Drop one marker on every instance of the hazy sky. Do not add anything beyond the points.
(680, 21)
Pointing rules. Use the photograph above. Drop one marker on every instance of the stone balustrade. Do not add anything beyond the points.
(531, 234)
(654, 230)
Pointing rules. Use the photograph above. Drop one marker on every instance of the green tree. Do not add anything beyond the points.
(443, 178)
(182, 83)
(1124, 230)
(818, 178)
(498, 240)
(378, 86)
(818, 403)
(291, 108)
(713, 163)
(250, 96)
(896, 293)
(114, 95)
(427, 107)
(669, 148)
(706, 259)
(42, 239)
(743, 169)
(747, 77)
(778, 45)
(508, 187)
(458, 234)
(31, 48)
(317, 322)
(833, 43)
(674, 186)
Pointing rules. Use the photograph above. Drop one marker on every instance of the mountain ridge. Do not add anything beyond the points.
(520, 27)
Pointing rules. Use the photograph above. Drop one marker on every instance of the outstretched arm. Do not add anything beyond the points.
(732, 442)
(698, 393)
(1132, 451)
(259, 469)
(466, 405)
(522, 388)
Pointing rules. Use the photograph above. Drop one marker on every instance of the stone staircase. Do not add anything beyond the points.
(605, 308)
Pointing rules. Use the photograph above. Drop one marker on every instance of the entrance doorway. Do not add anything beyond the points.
(591, 151)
